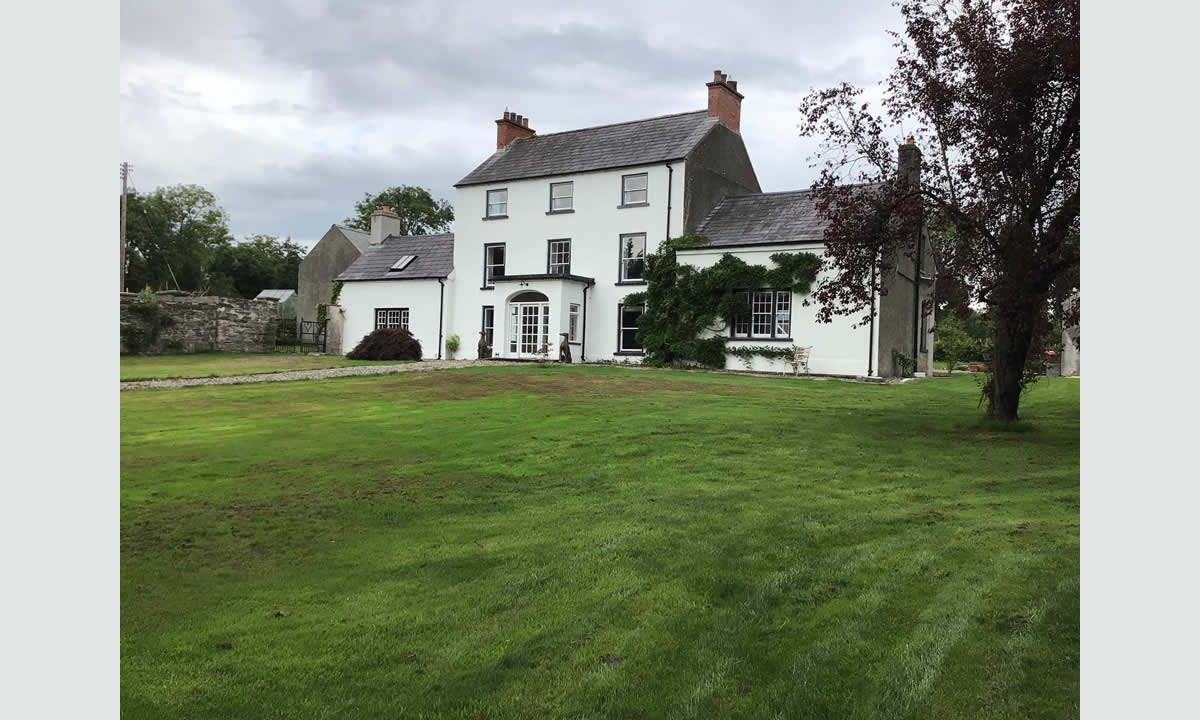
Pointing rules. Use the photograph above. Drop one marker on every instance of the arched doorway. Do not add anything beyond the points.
(528, 324)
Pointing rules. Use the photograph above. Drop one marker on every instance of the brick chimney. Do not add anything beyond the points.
(512, 127)
(909, 162)
(384, 223)
(724, 101)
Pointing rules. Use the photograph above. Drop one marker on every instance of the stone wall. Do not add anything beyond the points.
(208, 324)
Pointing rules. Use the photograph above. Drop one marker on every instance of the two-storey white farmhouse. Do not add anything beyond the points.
(551, 233)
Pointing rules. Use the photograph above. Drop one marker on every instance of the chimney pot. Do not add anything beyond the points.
(511, 127)
(724, 101)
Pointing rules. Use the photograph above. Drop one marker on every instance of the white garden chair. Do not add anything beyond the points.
(800, 360)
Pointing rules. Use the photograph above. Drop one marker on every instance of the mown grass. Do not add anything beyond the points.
(136, 367)
(600, 543)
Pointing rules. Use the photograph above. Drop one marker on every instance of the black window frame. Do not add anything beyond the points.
(639, 203)
(487, 204)
(550, 256)
(774, 315)
(551, 210)
(924, 347)
(486, 248)
(621, 350)
(483, 324)
(405, 317)
(621, 279)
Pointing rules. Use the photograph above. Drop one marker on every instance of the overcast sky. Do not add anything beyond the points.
(290, 110)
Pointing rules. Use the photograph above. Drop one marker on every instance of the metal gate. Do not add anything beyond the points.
(300, 336)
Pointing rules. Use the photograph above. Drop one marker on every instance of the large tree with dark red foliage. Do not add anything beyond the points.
(990, 92)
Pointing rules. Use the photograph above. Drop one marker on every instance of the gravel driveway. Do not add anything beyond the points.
(313, 374)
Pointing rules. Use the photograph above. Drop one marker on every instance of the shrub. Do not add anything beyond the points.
(904, 364)
(142, 335)
(452, 343)
(387, 344)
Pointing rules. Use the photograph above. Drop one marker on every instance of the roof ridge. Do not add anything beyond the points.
(773, 192)
(351, 229)
(413, 237)
(608, 125)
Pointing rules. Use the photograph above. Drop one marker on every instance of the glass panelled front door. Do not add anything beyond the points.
(529, 328)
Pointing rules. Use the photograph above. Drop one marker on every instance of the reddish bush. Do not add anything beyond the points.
(387, 344)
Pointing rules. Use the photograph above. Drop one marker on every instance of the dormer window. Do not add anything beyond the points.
(633, 189)
(562, 197)
(497, 203)
(402, 263)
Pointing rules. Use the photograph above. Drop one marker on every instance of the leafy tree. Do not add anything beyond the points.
(171, 235)
(991, 91)
(260, 261)
(953, 343)
(420, 213)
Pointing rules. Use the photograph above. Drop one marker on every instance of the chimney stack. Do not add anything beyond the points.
(909, 162)
(724, 101)
(384, 223)
(512, 127)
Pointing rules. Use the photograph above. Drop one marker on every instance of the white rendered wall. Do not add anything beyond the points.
(837, 347)
(594, 229)
(421, 297)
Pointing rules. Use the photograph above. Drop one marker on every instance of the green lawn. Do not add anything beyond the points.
(598, 542)
(135, 367)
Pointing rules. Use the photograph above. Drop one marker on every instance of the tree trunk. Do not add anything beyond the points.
(1014, 335)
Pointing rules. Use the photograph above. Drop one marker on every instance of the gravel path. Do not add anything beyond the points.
(313, 374)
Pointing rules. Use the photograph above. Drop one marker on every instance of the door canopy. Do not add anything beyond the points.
(529, 296)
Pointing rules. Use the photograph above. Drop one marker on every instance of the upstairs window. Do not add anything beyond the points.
(633, 189)
(559, 260)
(562, 196)
(497, 203)
(493, 263)
(391, 318)
(633, 258)
(770, 315)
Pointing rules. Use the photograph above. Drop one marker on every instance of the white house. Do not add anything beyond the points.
(551, 232)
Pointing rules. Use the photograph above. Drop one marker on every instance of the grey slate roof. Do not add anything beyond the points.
(282, 295)
(765, 219)
(641, 142)
(358, 238)
(435, 259)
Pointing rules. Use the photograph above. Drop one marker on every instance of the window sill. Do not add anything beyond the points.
(495, 217)
(633, 205)
(574, 342)
(488, 287)
(761, 339)
(630, 353)
(630, 282)
(560, 212)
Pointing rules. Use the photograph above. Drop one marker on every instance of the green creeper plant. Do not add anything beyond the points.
(682, 301)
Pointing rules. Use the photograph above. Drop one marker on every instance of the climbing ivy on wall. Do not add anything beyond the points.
(682, 301)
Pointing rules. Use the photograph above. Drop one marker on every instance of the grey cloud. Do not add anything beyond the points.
(429, 78)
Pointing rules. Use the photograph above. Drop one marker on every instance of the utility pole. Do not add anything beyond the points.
(124, 194)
